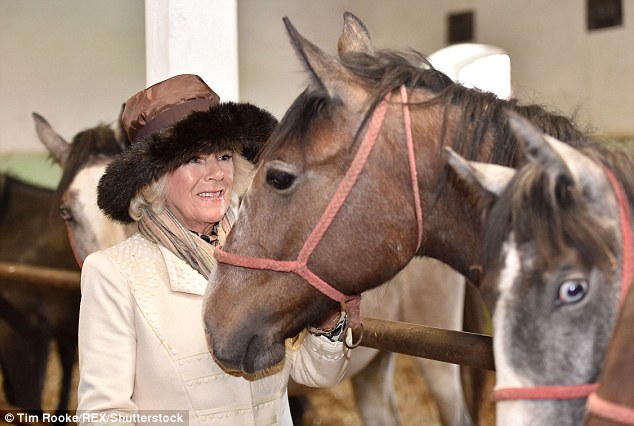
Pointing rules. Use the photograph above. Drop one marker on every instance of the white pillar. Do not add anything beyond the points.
(194, 37)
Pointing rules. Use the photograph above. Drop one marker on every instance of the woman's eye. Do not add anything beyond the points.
(224, 157)
(572, 291)
(65, 214)
(279, 179)
(194, 160)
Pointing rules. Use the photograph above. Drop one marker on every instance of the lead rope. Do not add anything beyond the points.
(584, 390)
(596, 404)
(352, 302)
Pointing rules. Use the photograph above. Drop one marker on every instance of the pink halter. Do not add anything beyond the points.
(300, 266)
(583, 390)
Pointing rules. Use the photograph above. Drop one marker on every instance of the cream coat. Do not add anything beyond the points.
(142, 347)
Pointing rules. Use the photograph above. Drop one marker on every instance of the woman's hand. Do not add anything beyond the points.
(329, 321)
(331, 326)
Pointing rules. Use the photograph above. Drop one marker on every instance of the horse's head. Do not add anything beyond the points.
(83, 161)
(552, 272)
(250, 312)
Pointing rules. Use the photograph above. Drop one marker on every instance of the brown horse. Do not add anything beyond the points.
(32, 316)
(249, 312)
(559, 257)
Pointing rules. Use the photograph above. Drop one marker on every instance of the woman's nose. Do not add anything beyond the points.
(213, 171)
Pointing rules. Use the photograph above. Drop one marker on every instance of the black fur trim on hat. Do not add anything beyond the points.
(241, 127)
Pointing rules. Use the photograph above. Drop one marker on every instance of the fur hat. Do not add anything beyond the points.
(168, 124)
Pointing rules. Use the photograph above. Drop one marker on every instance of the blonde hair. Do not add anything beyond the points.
(154, 194)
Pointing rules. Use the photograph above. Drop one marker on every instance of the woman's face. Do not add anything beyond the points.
(200, 190)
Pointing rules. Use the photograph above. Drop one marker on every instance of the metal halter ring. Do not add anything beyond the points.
(353, 344)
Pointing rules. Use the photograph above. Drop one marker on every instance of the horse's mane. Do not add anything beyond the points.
(553, 215)
(386, 70)
(88, 145)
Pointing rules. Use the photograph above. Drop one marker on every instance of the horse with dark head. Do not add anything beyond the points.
(558, 259)
(398, 206)
(32, 316)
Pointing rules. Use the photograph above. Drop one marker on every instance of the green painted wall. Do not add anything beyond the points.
(35, 168)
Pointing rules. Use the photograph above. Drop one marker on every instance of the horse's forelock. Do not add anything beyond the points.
(532, 212)
(87, 145)
(295, 123)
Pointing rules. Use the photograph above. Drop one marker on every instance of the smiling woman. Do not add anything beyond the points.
(181, 181)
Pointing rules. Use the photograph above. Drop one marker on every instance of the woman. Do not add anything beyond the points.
(141, 340)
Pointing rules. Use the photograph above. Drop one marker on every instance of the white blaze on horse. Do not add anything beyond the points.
(558, 263)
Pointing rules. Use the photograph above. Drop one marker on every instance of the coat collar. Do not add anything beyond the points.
(182, 277)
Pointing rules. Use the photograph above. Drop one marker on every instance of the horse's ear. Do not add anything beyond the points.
(560, 160)
(120, 135)
(354, 38)
(326, 71)
(484, 180)
(533, 143)
(55, 144)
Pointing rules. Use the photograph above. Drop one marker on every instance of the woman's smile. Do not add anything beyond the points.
(209, 181)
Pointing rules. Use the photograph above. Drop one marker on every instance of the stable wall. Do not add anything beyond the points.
(555, 61)
(75, 61)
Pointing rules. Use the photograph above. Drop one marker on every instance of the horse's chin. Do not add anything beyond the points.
(259, 358)
(263, 359)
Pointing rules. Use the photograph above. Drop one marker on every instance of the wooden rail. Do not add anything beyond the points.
(456, 347)
(37, 275)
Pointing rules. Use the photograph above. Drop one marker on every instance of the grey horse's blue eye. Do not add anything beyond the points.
(572, 291)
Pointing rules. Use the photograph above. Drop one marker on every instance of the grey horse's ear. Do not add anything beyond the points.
(483, 179)
(354, 38)
(559, 159)
(533, 142)
(54, 143)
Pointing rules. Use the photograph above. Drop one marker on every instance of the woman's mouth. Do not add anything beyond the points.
(209, 195)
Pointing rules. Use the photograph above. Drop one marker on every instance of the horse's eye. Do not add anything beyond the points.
(572, 291)
(279, 179)
(65, 214)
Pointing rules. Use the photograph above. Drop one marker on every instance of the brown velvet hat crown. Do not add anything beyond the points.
(168, 124)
